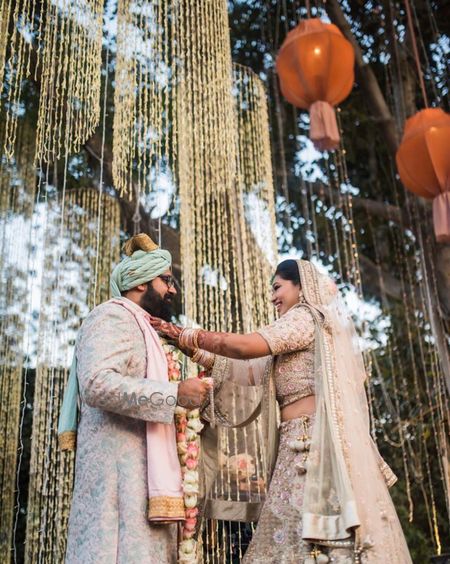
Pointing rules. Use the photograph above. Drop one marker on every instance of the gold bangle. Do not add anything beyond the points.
(184, 338)
(209, 362)
(195, 338)
(197, 355)
(205, 358)
(189, 338)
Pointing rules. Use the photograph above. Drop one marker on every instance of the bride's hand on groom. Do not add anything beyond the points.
(169, 330)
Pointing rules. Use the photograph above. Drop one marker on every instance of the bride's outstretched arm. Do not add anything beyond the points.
(293, 331)
(230, 345)
(233, 345)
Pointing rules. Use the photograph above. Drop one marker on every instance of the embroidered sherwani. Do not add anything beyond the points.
(108, 520)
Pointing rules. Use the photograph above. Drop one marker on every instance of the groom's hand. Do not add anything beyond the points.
(193, 392)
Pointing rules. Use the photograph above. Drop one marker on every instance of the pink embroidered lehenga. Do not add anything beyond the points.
(328, 498)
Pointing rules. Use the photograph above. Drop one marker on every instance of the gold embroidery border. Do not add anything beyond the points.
(218, 372)
(389, 476)
(67, 440)
(309, 282)
(166, 507)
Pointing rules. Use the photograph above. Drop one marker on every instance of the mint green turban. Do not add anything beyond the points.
(139, 268)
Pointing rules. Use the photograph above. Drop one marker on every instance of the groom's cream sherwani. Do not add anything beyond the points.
(108, 519)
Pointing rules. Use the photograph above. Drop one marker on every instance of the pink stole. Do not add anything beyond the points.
(165, 493)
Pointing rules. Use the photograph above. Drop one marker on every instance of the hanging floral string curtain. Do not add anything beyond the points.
(69, 76)
(145, 78)
(17, 193)
(17, 23)
(254, 178)
(77, 263)
(210, 206)
(227, 221)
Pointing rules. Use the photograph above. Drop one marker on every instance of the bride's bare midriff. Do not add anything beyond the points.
(304, 406)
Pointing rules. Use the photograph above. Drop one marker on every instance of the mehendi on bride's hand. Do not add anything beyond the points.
(233, 345)
(169, 330)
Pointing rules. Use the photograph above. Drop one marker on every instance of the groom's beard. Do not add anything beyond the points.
(156, 305)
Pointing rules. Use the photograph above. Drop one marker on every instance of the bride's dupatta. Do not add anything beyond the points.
(346, 488)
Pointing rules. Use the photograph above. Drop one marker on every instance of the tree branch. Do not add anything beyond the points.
(366, 79)
(378, 282)
(374, 208)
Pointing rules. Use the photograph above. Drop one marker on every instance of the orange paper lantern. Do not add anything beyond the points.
(316, 70)
(423, 163)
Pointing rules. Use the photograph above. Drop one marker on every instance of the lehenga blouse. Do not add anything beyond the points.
(291, 342)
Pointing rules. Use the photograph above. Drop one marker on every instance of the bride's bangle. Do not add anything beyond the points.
(205, 358)
(196, 356)
(189, 338)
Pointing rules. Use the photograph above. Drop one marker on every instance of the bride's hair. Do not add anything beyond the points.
(288, 270)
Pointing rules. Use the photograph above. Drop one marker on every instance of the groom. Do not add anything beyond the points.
(127, 497)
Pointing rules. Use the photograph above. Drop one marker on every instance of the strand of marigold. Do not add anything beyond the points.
(188, 427)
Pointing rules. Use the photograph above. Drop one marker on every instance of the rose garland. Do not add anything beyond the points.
(188, 427)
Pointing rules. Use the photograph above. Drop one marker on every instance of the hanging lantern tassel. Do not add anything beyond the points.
(423, 162)
(441, 216)
(323, 130)
(315, 66)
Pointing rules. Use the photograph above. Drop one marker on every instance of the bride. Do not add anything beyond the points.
(328, 498)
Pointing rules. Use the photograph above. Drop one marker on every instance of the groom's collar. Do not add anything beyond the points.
(139, 310)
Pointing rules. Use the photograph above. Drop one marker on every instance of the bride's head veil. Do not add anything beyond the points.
(346, 481)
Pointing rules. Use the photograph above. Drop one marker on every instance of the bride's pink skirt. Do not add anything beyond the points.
(278, 536)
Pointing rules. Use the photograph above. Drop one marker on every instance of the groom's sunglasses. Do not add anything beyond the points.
(168, 280)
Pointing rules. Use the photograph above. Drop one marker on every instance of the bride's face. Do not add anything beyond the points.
(285, 294)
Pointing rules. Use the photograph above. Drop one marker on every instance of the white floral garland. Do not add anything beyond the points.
(188, 427)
